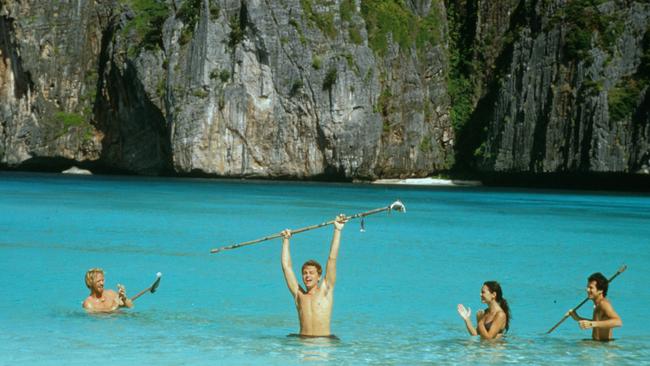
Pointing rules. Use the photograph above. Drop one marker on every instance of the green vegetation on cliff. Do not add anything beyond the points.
(584, 20)
(459, 83)
(624, 98)
(391, 19)
(330, 79)
(67, 122)
(146, 25)
(348, 9)
(236, 31)
(322, 20)
(150, 15)
(188, 13)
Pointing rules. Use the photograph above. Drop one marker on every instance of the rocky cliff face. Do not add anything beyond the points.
(339, 89)
(56, 106)
(227, 88)
(47, 86)
(568, 87)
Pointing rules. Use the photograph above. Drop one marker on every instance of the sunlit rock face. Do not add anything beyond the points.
(224, 88)
(260, 91)
(313, 89)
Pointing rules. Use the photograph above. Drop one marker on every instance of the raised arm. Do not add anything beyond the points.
(330, 270)
(465, 314)
(287, 269)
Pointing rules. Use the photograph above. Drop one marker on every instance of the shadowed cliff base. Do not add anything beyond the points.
(624, 182)
(58, 164)
(334, 177)
(573, 181)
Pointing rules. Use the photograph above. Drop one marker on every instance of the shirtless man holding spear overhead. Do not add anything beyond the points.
(314, 301)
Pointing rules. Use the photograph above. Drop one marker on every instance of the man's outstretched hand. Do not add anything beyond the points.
(340, 221)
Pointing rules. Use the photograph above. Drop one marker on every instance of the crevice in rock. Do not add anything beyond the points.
(22, 79)
(538, 150)
(640, 140)
(136, 136)
(640, 150)
(474, 132)
(586, 123)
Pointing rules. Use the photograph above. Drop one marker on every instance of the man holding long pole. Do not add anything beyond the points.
(314, 302)
(605, 317)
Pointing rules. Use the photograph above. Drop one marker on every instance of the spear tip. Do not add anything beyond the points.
(397, 206)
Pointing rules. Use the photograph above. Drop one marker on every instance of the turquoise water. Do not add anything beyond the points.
(398, 282)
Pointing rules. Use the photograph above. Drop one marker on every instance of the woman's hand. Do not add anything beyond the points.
(464, 312)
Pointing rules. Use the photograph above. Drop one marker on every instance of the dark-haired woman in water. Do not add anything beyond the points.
(492, 322)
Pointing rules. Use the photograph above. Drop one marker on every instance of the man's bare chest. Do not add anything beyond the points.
(314, 301)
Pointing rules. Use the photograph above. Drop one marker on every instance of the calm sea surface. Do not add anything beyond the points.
(398, 282)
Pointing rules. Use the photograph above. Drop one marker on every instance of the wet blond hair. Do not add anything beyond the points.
(90, 276)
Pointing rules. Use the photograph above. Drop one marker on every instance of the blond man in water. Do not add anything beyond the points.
(605, 317)
(100, 300)
(314, 301)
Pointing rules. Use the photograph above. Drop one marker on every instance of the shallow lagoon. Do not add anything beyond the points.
(398, 282)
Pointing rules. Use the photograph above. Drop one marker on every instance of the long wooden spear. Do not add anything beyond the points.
(395, 206)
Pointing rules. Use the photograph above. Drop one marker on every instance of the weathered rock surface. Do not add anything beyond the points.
(234, 88)
(569, 94)
(46, 84)
(306, 88)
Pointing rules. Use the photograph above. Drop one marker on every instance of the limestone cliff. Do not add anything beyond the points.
(226, 88)
(337, 89)
(559, 86)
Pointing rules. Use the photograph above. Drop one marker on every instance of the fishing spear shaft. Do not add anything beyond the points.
(151, 288)
(397, 206)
